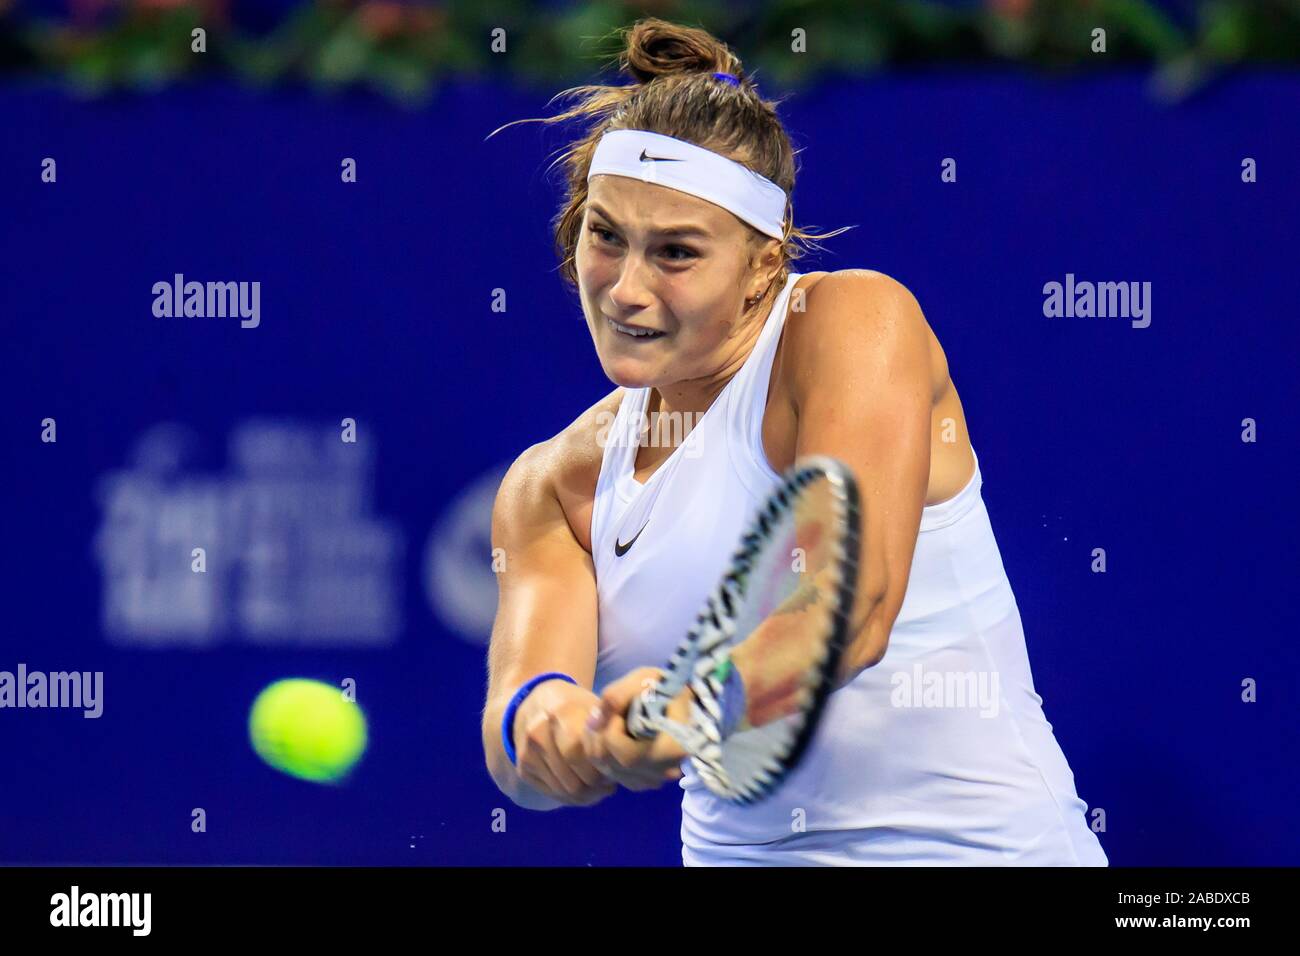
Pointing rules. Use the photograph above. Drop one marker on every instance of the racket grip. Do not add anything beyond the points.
(637, 720)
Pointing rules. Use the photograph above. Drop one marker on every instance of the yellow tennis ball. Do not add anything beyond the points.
(307, 729)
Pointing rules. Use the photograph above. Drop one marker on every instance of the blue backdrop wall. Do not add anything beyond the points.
(376, 304)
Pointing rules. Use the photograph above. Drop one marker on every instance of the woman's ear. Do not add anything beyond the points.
(766, 266)
(766, 261)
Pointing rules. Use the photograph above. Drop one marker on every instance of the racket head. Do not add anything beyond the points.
(789, 589)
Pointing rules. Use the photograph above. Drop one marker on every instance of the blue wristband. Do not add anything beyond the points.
(508, 722)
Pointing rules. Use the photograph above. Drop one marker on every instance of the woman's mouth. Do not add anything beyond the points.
(632, 332)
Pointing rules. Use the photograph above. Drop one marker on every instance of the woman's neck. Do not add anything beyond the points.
(693, 397)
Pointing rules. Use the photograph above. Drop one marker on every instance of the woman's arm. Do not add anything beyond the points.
(545, 621)
(862, 388)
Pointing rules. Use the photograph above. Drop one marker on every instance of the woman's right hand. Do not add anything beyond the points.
(548, 744)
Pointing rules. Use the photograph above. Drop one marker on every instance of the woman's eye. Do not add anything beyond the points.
(602, 233)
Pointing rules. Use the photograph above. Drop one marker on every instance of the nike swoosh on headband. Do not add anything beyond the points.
(691, 169)
(622, 549)
(658, 159)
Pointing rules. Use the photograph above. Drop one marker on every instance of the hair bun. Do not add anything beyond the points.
(655, 47)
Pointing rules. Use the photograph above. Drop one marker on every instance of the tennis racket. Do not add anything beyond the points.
(783, 607)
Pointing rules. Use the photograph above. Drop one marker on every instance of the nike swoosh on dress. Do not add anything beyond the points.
(622, 549)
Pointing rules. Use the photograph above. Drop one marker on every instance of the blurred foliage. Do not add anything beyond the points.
(405, 49)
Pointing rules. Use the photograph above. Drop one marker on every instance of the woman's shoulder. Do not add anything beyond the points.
(579, 447)
(853, 304)
(809, 279)
(863, 286)
(568, 464)
(856, 309)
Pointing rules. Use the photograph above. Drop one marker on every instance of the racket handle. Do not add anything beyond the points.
(638, 721)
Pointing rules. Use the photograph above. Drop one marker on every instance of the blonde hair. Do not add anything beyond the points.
(676, 94)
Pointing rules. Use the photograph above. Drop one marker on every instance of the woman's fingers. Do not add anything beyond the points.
(539, 740)
(572, 748)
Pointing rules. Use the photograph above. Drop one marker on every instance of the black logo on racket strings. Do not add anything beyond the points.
(658, 159)
(622, 549)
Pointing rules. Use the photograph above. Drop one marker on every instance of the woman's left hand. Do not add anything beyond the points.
(635, 764)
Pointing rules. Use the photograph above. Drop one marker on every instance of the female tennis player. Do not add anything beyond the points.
(677, 233)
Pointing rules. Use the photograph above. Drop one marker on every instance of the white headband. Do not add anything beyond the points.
(677, 164)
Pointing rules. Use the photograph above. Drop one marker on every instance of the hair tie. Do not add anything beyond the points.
(728, 77)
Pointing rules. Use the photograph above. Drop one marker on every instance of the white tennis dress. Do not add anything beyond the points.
(940, 754)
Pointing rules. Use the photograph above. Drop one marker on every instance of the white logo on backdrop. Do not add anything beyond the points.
(458, 579)
(281, 549)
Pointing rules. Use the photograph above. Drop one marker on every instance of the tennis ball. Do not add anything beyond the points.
(307, 729)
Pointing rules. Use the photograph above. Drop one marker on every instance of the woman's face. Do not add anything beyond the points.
(651, 258)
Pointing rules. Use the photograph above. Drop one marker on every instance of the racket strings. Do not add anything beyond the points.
(748, 764)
